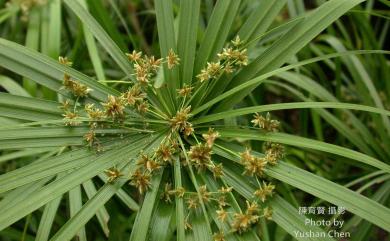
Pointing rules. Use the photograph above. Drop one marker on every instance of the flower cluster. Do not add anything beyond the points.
(119, 111)
(146, 67)
(193, 200)
(77, 89)
(200, 156)
(229, 59)
(141, 180)
(242, 221)
(265, 123)
(253, 165)
(180, 121)
(113, 174)
(273, 152)
(71, 118)
(264, 191)
(185, 91)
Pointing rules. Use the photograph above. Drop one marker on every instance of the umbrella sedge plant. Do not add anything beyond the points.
(159, 137)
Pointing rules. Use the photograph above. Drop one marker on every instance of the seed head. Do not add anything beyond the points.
(219, 236)
(273, 152)
(180, 192)
(134, 56)
(141, 180)
(192, 203)
(113, 174)
(114, 107)
(265, 123)
(222, 214)
(90, 137)
(217, 171)
(185, 91)
(165, 152)
(93, 112)
(148, 163)
(172, 59)
(225, 190)
(71, 118)
(180, 121)
(200, 155)
(264, 191)
(237, 41)
(134, 95)
(143, 107)
(204, 193)
(168, 193)
(64, 61)
(210, 136)
(267, 213)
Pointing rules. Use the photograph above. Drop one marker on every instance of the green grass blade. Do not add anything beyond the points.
(108, 44)
(75, 204)
(142, 221)
(93, 50)
(260, 19)
(101, 214)
(12, 87)
(47, 219)
(32, 41)
(161, 223)
(186, 43)
(64, 184)
(44, 70)
(90, 208)
(217, 31)
(306, 143)
(179, 202)
(167, 41)
(286, 106)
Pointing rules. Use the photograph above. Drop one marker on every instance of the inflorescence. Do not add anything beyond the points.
(116, 110)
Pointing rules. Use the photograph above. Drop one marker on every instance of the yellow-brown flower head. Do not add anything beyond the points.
(141, 180)
(134, 56)
(114, 107)
(204, 193)
(185, 91)
(113, 174)
(200, 155)
(273, 152)
(265, 123)
(164, 152)
(264, 191)
(134, 95)
(210, 136)
(71, 118)
(180, 121)
(172, 59)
